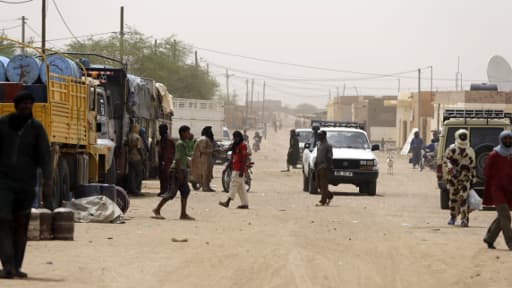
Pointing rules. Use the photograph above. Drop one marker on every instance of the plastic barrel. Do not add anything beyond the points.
(60, 65)
(23, 68)
(3, 68)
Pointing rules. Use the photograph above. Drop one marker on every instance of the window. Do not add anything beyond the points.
(347, 139)
(305, 136)
(483, 135)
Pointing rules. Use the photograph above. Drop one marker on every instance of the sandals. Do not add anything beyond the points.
(243, 207)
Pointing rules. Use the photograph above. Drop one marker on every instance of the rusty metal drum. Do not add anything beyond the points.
(63, 224)
(45, 217)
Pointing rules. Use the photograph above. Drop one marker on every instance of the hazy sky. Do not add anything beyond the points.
(370, 36)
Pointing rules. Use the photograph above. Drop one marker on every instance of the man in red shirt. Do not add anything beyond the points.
(239, 157)
(498, 189)
(166, 151)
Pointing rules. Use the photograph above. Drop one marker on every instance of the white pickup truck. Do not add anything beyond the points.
(353, 160)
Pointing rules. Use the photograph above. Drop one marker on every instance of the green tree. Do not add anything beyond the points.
(7, 49)
(164, 60)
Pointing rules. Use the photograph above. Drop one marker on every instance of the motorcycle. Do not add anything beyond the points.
(428, 159)
(227, 174)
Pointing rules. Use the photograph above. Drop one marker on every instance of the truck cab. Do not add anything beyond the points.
(353, 159)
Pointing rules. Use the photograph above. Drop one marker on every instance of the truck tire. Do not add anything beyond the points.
(481, 154)
(445, 198)
(369, 188)
(56, 196)
(312, 188)
(65, 180)
(122, 200)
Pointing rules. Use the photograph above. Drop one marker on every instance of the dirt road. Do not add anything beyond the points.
(398, 238)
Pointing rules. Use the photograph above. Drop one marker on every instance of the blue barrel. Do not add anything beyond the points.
(60, 65)
(23, 68)
(3, 68)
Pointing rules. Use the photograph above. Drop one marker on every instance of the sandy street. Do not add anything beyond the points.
(398, 238)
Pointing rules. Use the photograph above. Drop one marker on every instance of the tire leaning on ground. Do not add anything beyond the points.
(122, 200)
(226, 178)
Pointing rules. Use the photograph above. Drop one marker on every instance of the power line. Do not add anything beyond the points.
(9, 20)
(64, 21)
(10, 28)
(16, 2)
(301, 65)
(33, 30)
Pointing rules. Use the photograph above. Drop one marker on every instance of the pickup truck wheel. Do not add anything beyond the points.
(64, 179)
(445, 198)
(371, 188)
(312, 188)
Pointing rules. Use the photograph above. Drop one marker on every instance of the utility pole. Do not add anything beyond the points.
(208, 69)
(196, 61)
(419, 100)
(337, 91)
(252, 94)
(227, 84)
(398, 79)
(344, 88)
(23, 22)
(121, 38)
(174, 50)
(246, 102)
(263, 104)
(43, 28)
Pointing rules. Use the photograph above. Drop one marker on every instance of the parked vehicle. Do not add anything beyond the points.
(227, 174)
(353, 159)
(428, 159)
(70, 111)
(484, 127)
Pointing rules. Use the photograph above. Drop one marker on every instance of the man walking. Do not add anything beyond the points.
(24, 147)
(416, 146)
(135, 162)
(498, 190)
(293, 151)
(239, 158)
(460, 163)
(202, 159)
(323, 164)
(179, 177)
(166, 152)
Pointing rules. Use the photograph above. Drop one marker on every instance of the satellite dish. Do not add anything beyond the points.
(500, 73)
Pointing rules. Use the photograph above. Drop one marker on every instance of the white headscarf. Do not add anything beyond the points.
(502, 150)
(459, 142)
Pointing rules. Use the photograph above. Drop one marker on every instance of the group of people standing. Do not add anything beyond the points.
(196, 157)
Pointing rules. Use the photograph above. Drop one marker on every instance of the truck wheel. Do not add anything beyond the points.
(111, 175)
(305, 182)
(56, 196)
(445, 198)
(371, 188)
(312, 188)
(122, 200)
(65, 183)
